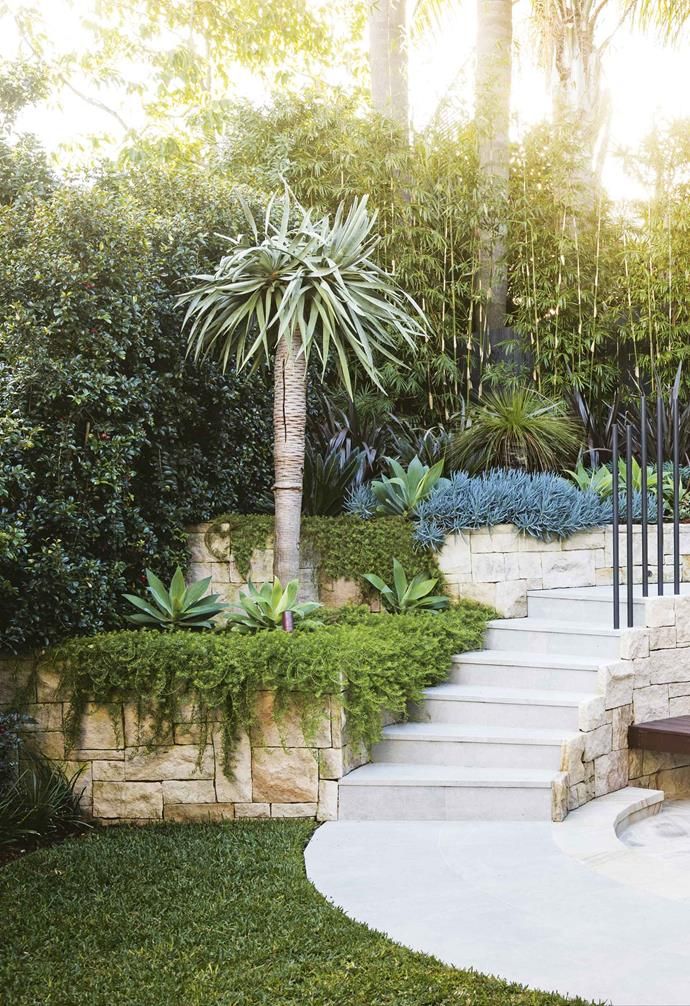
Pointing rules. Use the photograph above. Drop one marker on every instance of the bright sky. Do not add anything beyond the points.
(648, 82)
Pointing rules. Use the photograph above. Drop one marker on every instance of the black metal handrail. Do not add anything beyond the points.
(644, 508)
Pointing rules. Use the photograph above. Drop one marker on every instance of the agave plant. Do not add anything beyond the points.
(408, 487)
(516, 428)
(264, 607)
(598, 480)
(404, 596)
(176, 606)
(291, 288)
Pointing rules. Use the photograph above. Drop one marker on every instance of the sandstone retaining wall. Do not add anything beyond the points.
(496, 566)
(650, 681)
(126, 777)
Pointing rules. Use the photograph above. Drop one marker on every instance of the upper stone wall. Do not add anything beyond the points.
(496, 566)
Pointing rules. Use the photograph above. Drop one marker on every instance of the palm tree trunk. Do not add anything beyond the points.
(388, 59)
(493, 86)
(289, 421)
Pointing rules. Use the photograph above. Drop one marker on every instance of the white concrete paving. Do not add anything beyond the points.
(554, 906)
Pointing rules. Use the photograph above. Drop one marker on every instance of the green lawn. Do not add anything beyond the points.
(202, 915)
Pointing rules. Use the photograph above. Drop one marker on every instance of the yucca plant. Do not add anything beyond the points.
(516, 428)
(285, 290)
(176, 606)
(264, 607)
(404, 596)
(401, 493)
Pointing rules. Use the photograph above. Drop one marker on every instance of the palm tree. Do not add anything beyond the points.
(388, 60)
(283, 291)
(573, 43)
(492, 114)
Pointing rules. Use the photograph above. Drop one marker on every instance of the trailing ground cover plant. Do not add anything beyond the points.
(403, 596)
(378, 661)
(262, 608)
(341, 547)
(291, 288)
(178, 606)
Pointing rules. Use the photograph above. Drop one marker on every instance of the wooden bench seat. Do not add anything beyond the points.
(672, 735)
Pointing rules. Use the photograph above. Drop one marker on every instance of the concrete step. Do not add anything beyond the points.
(543, 635)
(516, 669)
(586, 605)
(470, 746)
(505, 707)
(388, 792)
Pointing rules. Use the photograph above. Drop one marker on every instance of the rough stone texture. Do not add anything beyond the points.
(618, 684)
(98, 727)
(610, 772)
(125, 800)
(496, 566)
(189, 791)
(650, 703)
(328, 801)
(278, 772)
(252, 810)
(176, 762)
(284, 775)
(284, 727)
(234, 787)
(199, 812)
(622, 718)
(293, 810)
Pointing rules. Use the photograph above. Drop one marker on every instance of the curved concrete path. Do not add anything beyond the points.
(564, 907)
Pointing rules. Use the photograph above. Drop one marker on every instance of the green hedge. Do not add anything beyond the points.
(380, 662)
(112, 439)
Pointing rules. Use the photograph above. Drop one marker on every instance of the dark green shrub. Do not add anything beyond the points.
(112, 441)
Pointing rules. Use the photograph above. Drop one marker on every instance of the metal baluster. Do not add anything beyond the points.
(645, 500)
(629, 522)
(614, 501)
(659, 495)
(676, 494)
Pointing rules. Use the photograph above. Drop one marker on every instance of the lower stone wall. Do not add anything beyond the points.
(127, 777)
(650, 681)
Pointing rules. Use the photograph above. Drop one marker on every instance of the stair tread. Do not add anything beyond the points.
(603, 593)
(412, 774)
(495, 693)
(531, 624)
(476, 733)
(518, 658)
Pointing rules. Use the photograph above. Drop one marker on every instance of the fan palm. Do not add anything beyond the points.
(285, 290)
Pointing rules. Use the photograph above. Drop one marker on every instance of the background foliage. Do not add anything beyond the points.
(112, 440)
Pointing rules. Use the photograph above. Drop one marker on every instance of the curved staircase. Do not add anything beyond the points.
(487, 744)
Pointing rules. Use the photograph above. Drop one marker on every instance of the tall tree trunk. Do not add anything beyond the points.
(580, 104)
(492, 98)
(289, 421)
(388, 59)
